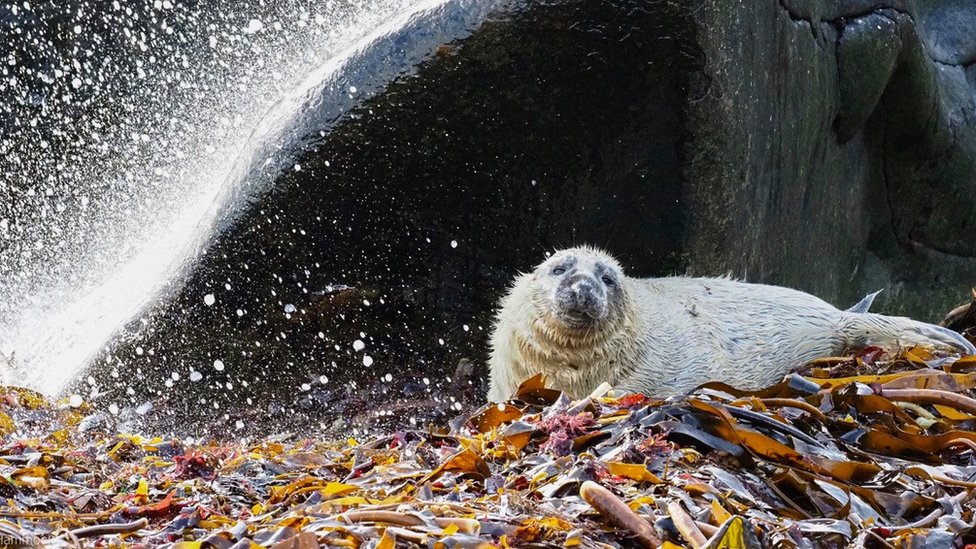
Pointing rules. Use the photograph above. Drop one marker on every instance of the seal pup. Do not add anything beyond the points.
(580, 321)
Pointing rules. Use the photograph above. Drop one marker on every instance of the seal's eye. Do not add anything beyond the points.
(558, 271)
(608, 280)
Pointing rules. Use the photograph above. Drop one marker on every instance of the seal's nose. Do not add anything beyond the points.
(584, 291)
(580, 295)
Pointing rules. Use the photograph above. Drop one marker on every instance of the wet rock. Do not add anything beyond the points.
(842, 134)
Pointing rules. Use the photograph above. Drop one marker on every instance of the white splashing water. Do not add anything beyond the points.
(111, 230)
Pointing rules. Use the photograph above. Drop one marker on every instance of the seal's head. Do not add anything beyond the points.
(579, 288)
(570, 319)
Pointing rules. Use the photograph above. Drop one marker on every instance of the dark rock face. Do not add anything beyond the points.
(847, 147)
(827, 146)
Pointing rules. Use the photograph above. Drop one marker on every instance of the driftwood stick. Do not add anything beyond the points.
(706, 528)
(686, 525)
(386, 517)
(618, 513)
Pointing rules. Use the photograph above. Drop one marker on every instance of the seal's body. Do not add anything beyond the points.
(580, 321)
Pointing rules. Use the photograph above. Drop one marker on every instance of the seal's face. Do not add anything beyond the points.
(582, 287)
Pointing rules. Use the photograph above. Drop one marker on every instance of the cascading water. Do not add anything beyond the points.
(136, 131)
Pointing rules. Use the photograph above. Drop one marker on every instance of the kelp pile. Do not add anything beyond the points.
(863, 450)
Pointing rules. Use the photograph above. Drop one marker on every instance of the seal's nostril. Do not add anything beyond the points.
(582, 286)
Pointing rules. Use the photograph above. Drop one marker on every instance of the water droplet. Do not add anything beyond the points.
(209, 299)
(367, 360)
(75, 401)
(219, 365)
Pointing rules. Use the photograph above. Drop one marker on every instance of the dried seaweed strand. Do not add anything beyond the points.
(617, 512)
(81, 517)
(686, 525)
(921, 412)
(962, 442)
(109, 529)
(930, 518)
(794, 403)
(467, 526)
(788, 500)
(951, 481)
(932, 396)
(762, 419)
(879, 539)
(420, 503)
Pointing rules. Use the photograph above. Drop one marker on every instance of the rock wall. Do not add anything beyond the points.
(843, 135)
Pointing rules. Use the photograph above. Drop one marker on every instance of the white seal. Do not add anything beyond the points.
(580, 321)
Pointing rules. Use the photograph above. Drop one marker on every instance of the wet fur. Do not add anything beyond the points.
(666, 336)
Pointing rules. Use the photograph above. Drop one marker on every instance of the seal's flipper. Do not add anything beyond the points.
(864, 305)
(892, 332)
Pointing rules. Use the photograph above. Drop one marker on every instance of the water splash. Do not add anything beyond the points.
(103, 221)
